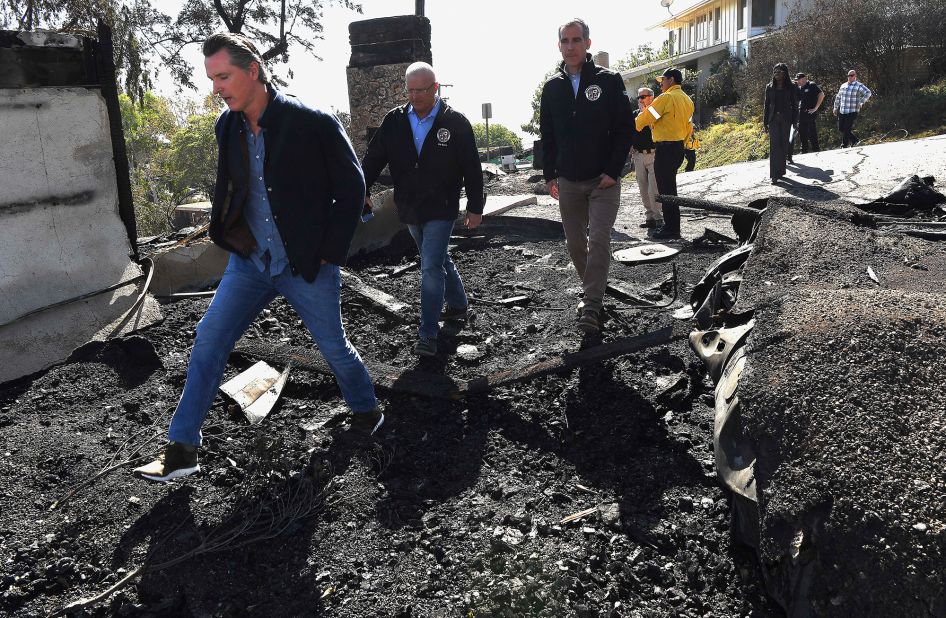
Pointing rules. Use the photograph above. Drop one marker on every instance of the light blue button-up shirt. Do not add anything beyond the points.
(575, 80)
(420, 128)
(259, 214)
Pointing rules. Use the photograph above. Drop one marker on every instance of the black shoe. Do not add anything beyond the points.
(176, 461)
(775, 181)
(589, 323)
(450, 313)
(425, 346)
(664, 234)
(367, 423)
(789, 160)
(650, 224)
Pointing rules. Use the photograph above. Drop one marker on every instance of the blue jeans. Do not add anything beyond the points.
(241, 295)
(439, 279)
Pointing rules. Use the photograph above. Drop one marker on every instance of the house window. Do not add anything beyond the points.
(670, 45)
(763, 13)
(743, 9)
(718, 29)
(692, 41)
(679, 39)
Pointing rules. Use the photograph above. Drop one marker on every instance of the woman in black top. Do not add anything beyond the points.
(779, 115)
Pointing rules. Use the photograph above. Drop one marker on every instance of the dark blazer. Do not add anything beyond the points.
(427, 186)
(588, 135)
(316, 189)
(769, 107)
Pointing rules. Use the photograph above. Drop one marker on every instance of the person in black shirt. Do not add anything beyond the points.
(810, 98)
(779, 115)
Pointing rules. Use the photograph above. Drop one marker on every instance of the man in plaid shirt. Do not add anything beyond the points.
(851, 97)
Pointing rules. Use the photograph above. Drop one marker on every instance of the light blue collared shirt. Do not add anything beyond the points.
(575, 79)
(420, 128)
(258, 213)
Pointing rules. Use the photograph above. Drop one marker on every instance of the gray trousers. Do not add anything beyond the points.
(588, 214)
(647, 183)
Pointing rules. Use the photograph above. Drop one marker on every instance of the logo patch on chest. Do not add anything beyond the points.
(593, 92)
(443, 136)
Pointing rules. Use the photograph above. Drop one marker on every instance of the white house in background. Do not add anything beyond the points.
(702, 32)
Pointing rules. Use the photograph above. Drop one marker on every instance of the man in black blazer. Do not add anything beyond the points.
(288, 195)
(431, 152)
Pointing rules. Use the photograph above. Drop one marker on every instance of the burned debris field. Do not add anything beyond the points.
(588, 490)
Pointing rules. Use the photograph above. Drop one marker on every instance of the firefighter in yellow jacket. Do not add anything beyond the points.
(669, 118)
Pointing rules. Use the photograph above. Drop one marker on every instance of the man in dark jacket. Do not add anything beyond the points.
(585, 123)
(287, 199)
(431, 152)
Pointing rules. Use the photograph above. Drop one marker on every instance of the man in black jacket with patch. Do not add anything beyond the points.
(585, 123)
(431, 152)
(286, 203)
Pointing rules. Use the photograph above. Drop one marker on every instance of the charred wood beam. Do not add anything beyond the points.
(574, 360)
(439, 386)
(384, 301)
(410, 381)
(692, 202)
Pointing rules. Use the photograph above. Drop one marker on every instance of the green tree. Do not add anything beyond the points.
(532, 127)
(147, 125)
(498, 136)
(644, 54)
(190, 166)
(721, 87)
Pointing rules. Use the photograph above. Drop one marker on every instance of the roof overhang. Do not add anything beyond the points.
(682, 59)
(683, 17)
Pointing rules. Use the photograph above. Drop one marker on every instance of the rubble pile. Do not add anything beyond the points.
(840, 413)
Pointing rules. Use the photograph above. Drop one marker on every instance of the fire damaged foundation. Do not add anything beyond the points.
(826, 347)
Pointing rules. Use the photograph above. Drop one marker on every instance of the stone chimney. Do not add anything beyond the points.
(381, 51)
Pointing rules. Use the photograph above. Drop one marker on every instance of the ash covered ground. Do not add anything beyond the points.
(457, 507)
(454, 509)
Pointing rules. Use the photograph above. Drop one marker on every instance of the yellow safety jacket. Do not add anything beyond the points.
(669, 116)
(692, 142)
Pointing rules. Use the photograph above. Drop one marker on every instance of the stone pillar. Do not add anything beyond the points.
(381, 51)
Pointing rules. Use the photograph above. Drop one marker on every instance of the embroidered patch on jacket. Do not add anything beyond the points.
(593, 92)
(443, 135)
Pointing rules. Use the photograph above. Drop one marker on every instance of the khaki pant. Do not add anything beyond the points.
(588, 214)
(647, 183)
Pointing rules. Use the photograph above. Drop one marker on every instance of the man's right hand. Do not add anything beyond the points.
(553, 188)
